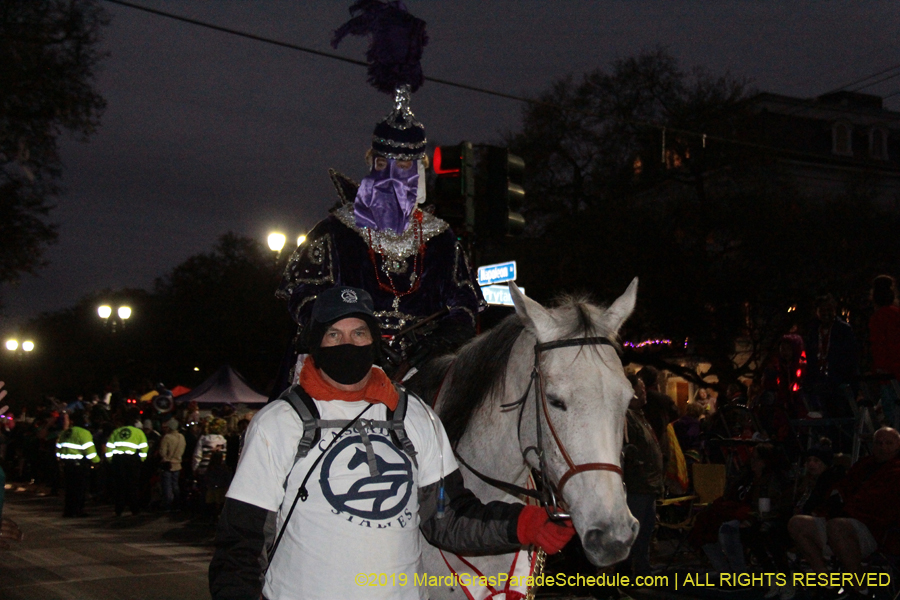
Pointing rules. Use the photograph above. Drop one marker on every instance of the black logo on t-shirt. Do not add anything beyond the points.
(349, 488)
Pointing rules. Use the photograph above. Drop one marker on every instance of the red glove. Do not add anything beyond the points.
(536, 528)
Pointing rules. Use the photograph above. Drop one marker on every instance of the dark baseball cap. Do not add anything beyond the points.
(342, 301)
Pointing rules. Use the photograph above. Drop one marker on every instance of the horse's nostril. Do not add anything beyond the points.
(635, 527)
(593, 539)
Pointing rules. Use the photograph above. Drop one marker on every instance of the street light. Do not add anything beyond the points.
(276, 242)
(13, 345)
(123, 313)
(301, 239)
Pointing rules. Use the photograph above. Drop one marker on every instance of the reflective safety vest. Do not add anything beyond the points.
(76, 443)
(127, 440)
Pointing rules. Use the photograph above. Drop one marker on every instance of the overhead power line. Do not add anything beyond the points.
(662, 127)
(308, 50)
(813, 102)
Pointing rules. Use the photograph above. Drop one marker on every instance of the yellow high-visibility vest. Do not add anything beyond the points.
(76, 443)
(127, 440)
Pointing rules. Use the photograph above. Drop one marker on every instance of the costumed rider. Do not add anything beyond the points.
(370, 482)
(378, 238)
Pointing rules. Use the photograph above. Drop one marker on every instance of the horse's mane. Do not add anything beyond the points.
(483, 361)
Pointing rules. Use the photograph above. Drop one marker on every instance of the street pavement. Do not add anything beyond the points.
(102, 557)
(157, 556)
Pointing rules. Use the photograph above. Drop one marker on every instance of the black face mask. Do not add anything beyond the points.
(347, 364)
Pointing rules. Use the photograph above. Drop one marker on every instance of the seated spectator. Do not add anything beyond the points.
(703, 399)
(753, 513)
(821, 476)
(861, 513)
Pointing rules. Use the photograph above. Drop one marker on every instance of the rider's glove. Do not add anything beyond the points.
(536, 528)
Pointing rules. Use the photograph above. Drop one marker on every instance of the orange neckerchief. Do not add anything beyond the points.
(379, 389)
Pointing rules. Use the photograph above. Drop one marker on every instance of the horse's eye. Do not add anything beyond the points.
(557, 403)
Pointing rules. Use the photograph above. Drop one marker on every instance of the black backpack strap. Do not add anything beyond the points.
(397, 426)
(306, 409)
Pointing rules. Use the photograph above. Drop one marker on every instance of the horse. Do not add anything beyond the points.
(491, 393)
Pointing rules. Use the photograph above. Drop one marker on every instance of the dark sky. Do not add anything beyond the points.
(207, 132)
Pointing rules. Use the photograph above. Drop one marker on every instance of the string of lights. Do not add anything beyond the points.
(683, 133)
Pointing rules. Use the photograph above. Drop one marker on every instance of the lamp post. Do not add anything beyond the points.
(12, 345)
(277, 241)
(123, 313)
(20, 351)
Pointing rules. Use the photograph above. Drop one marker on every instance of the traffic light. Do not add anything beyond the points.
(454, 186)
(501, 194)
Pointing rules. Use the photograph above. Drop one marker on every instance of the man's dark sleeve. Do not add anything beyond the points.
(468, 526)
(242, 536)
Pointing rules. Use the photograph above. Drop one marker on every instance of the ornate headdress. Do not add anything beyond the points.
(394, 56)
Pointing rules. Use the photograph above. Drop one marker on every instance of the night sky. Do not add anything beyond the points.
(207, 132)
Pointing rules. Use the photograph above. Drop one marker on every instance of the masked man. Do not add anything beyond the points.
(356, 501)
(378, 238)
(407, 259)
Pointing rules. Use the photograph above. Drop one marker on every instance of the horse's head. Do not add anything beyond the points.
(587, 395)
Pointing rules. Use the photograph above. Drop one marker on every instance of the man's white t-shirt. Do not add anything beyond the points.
(351, 523)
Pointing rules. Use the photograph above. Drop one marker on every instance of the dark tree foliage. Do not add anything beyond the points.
(49, 53)
(220, 308)
(722, 239)
(213, 309)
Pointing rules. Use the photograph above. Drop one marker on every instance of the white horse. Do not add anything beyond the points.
(585, 397)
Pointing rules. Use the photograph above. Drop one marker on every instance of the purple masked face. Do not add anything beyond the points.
(387, 196)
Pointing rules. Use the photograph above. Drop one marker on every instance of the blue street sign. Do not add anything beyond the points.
(490, 274)
(498, 295)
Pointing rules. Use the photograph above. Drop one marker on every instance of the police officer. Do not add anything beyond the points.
(126, 450)
(75, 449)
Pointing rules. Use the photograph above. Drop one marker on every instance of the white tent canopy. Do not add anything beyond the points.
(225, 386)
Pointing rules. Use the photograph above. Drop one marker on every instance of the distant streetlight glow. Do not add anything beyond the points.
(28, 346)
(124, 312)
(276, 241)
(12, 344)
(104, 311)
(300, 240)
(196, 368)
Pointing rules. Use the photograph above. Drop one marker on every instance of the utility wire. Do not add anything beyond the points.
(877, 81)
(684, 132)
(813, 102)
(308, 50)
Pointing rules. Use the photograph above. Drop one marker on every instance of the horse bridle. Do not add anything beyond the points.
(547, 496)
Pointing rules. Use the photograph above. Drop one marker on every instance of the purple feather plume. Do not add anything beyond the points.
(395, 50)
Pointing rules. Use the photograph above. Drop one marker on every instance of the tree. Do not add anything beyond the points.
(220, 308)
(49, 52)
(723, 241)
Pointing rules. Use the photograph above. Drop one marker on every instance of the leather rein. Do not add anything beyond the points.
(546, 496)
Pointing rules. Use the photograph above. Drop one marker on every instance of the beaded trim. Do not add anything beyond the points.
(319, 254)
(393, 246)
(394, 144)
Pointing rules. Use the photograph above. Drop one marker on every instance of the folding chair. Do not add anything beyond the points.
(709, 484)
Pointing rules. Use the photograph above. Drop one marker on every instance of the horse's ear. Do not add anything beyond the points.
(622, 308)
(534, 316)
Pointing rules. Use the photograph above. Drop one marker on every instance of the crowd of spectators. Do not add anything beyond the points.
(186, 466)
(794, 499)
